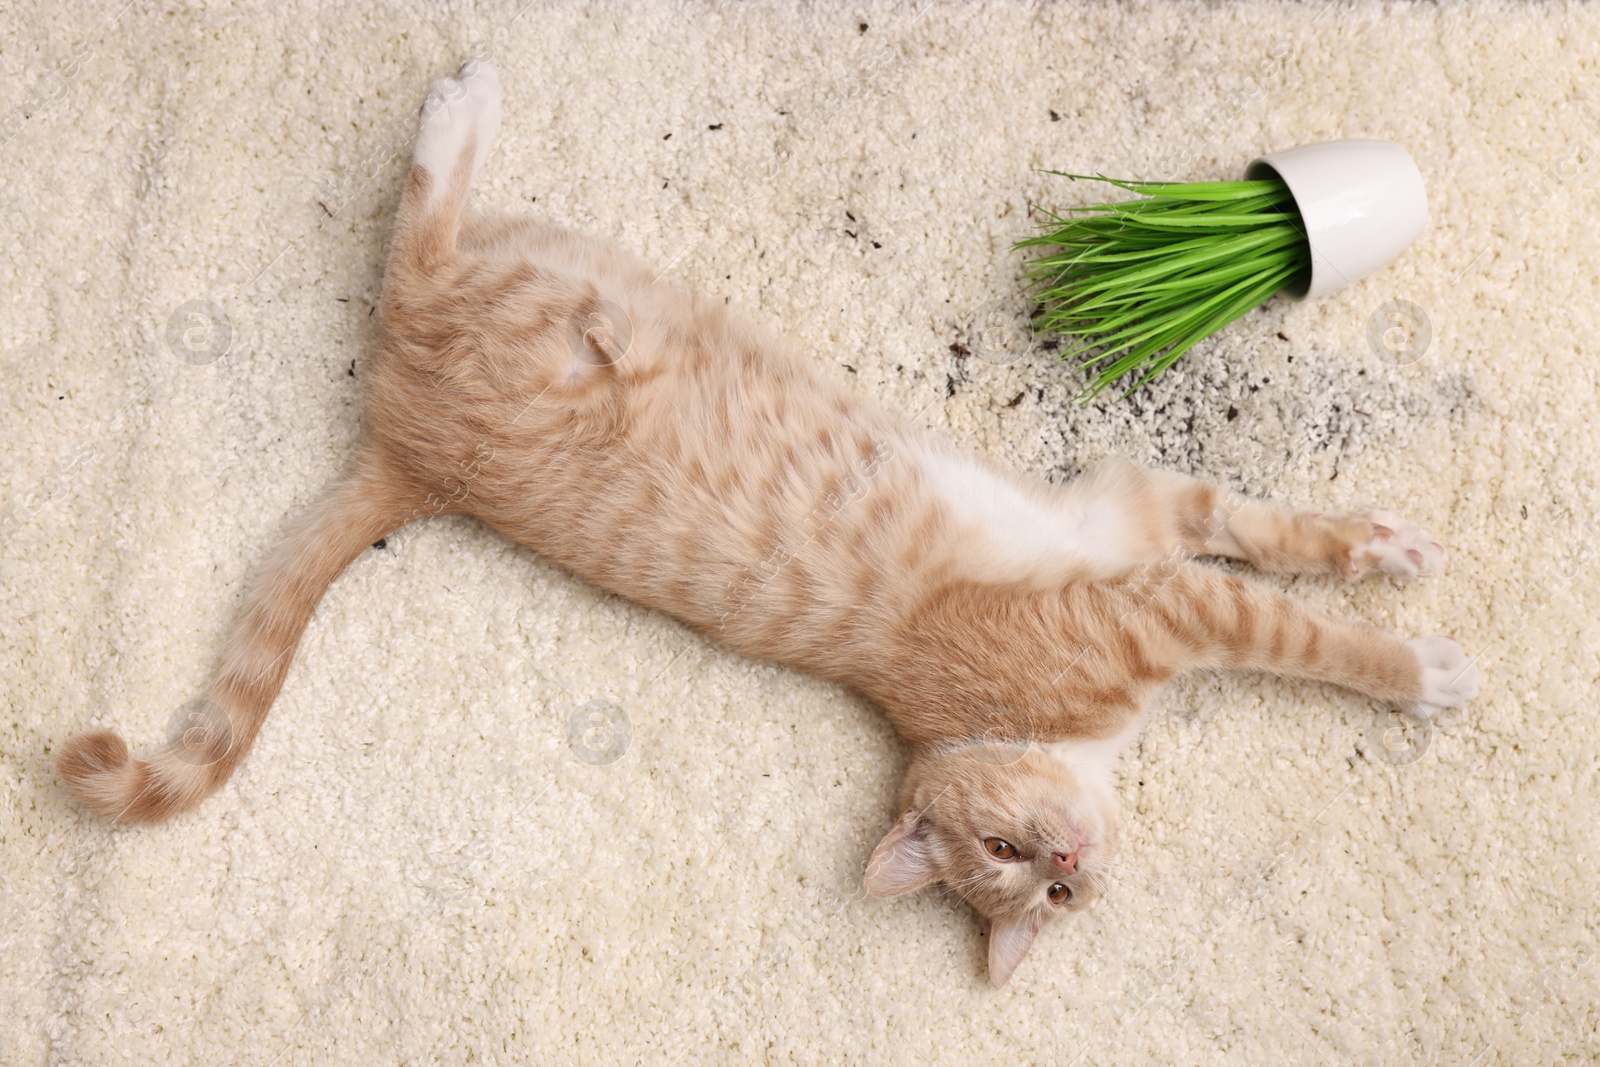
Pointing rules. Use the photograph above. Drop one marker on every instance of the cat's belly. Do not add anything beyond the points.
(789, 526)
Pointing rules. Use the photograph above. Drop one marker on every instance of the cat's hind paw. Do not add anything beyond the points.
(1449, 678)
(459, 112)
(1397, 547)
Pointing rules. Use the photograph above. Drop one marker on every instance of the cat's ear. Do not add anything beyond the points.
(1009, 942)
(903, 860)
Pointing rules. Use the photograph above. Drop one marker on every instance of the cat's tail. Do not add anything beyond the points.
(354, 512)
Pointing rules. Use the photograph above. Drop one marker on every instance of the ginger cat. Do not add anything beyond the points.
(667, 450)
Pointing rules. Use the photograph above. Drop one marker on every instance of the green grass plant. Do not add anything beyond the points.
(1136, 283)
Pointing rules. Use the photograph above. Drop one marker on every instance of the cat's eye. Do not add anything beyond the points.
(1000, 850)
(1060, 893)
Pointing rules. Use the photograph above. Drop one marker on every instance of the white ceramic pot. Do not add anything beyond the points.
(1362, 201)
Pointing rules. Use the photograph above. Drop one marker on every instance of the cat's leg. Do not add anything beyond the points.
(1193, 517)
(1201, 617)
(456, 128)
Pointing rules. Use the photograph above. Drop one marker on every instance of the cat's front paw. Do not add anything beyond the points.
(1397, 547)
(1449, 678)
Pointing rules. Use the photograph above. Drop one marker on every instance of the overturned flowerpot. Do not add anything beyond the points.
(1362, 204)
(1133, 284)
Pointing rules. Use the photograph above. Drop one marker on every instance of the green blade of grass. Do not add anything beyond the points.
(1183, 190)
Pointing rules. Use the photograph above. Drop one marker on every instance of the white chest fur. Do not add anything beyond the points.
(1021, 526)
(1094, 761)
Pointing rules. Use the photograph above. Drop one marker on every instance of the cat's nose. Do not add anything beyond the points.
(1067, 861)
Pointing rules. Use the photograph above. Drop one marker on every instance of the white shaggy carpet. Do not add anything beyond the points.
(416, 866)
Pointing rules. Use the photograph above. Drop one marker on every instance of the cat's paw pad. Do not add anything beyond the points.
(459, 111)
(1449, 678)
(1398, 547)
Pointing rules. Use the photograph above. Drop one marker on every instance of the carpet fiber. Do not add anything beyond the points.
(497, 816)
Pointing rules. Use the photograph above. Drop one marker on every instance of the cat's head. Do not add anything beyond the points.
(1009, 828)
